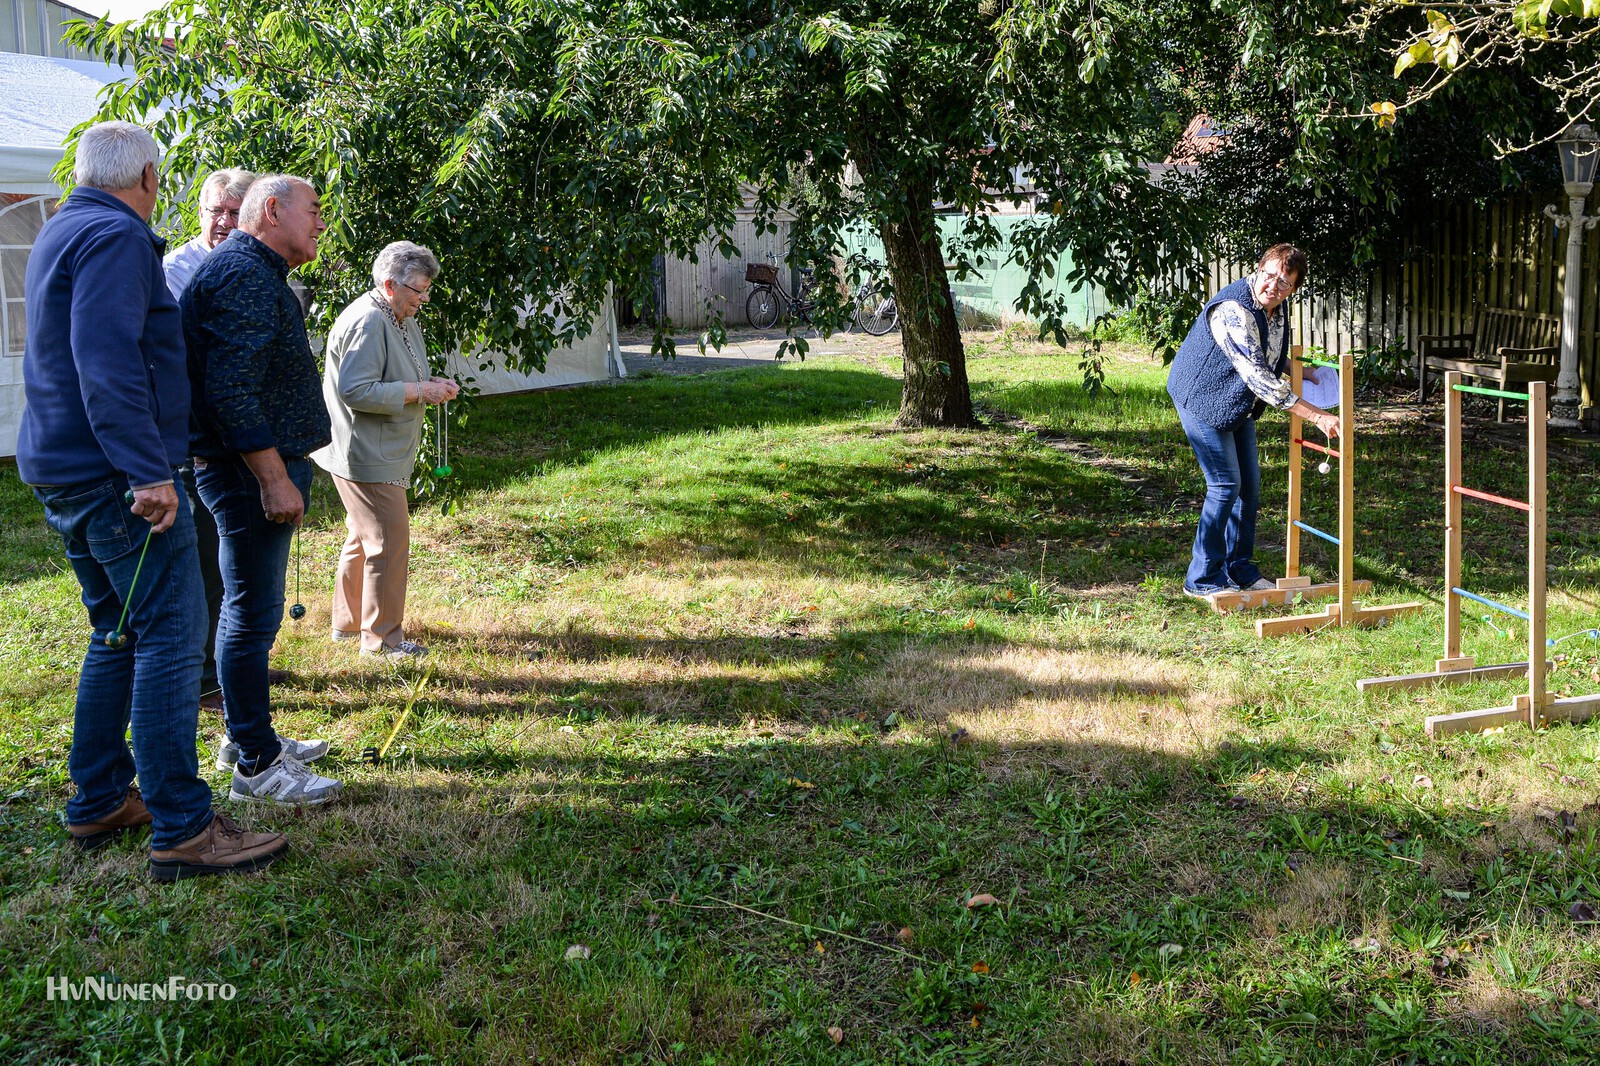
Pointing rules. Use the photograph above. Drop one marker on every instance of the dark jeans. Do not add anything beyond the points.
(205, 532)
(151, 683)
(254, 558)
(1225, 543)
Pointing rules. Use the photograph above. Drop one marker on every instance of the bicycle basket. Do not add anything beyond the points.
(761, 273)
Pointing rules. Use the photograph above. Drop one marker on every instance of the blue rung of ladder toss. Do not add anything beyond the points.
(1315, 532)
(1487, 602)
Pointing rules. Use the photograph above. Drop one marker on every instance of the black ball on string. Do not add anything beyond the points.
(116, 640)
(297, 612)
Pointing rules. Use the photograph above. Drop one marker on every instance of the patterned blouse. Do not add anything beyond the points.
(1233, 326)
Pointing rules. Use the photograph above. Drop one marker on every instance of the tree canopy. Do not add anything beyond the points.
(544, 148)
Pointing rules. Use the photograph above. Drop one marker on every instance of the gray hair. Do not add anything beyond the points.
(279, 187)
(402, 261)
(230, 184)
(112, 156)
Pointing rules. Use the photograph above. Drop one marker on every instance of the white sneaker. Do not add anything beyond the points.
(405, 651)
(339, 636)
(1261, 584)
(287, 783)
(299, 750)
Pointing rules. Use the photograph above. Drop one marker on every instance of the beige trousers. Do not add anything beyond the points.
(369, 593)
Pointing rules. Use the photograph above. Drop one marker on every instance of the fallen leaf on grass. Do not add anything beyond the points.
(1134, 979)
(1583, 912)
(982, 899)
(577, 951)
(1237, 803)
(797, 783)
(836, 1034)
(980, 967)
(1422, 781)
(904, 935)
(820, 949)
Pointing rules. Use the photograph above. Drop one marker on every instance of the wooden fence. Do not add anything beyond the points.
(692, 291)
(1503, 254)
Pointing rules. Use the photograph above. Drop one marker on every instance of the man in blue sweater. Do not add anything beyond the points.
(104, 429)
(258, 413)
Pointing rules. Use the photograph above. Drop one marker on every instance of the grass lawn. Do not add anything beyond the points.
(749, 694)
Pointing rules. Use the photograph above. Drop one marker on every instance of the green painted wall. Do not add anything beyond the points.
(994, 291)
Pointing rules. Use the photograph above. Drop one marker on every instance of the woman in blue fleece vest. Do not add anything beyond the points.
(1228, 371)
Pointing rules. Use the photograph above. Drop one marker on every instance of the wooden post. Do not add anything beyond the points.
(1453, 659)
(1347, 488)
(1538, 522)
(1291, 536)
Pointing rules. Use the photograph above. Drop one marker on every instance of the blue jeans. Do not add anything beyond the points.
(1225, 543)
(205, 531)
(151, 683)
(253, 557)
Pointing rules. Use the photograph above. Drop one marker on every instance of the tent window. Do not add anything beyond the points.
(21, 218)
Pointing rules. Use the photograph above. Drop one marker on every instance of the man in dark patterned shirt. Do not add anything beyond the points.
(258, 412)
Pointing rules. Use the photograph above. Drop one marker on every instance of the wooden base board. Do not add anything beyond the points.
(1240, 600)
(1442, 677)
(1364, 616)
(1570, 709)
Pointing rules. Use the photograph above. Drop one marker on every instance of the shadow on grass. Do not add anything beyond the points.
(771, 875)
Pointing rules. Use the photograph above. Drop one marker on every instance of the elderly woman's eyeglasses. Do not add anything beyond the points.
(1277, 281)
(420, 292)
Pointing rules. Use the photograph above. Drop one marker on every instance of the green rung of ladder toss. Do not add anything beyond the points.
(1321, 362)
(1501, 393)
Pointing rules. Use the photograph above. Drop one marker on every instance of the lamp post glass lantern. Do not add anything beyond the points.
(1580, 154)
(1579, 149)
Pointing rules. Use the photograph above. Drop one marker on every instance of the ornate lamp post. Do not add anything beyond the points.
(1580, 152)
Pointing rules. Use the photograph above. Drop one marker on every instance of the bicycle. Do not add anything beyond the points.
(876, 312)
(769, 301)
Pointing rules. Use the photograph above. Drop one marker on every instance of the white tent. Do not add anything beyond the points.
(41, 99)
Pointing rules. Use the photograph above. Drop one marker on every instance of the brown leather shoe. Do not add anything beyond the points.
(220, 848)
(91, 836)
(211, 702)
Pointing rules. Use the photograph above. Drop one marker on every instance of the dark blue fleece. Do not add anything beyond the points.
(256, 383)
(103, 366)
(1202, 380)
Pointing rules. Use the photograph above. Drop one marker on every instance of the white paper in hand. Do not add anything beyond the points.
(1320, 387)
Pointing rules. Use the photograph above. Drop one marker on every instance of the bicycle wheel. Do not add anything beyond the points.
(877, 315)
(763, 307)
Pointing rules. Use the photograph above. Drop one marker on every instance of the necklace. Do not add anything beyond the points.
(388, 312)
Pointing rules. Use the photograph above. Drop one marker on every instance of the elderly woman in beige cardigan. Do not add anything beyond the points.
(376, 384)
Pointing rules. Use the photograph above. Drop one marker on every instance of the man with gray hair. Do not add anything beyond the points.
(106, 425)
(221, 194)
(258, 414)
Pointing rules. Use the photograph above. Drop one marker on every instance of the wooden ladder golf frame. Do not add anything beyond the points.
(1346, 611)
(1537, 705)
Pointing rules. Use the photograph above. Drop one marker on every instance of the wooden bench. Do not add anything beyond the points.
(1508, 348)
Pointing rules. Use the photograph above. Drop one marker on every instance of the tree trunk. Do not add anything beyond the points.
(936, 391)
